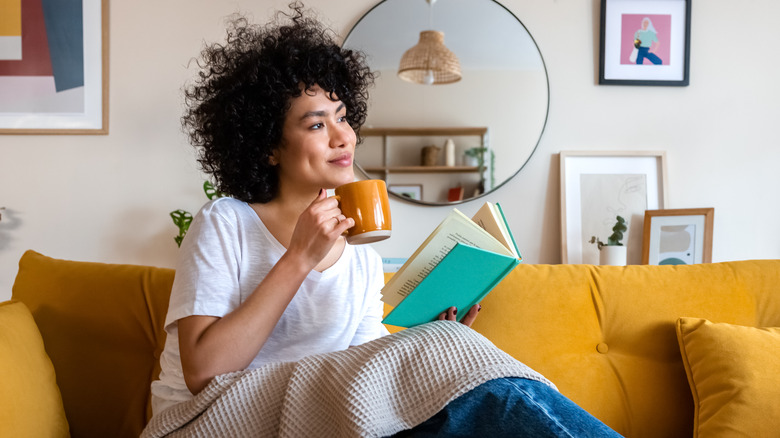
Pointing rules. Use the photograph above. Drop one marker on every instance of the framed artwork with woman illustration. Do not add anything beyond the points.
(645, 42)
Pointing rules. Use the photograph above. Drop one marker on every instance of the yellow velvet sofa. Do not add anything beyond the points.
(653, 351)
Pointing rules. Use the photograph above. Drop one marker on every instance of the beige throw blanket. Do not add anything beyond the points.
(376, 389)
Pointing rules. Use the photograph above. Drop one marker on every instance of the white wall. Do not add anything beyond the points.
(107, 198)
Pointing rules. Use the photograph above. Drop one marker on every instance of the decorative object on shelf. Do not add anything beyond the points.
(645, 42)
(430, 155)
(678, 236)
(613, 252)
(597, 186)
(182, 219)
(411, 191)
(449, 153)
(455, 194)
(476, 157)
(430, 62)
(473, 157)
(65, 85)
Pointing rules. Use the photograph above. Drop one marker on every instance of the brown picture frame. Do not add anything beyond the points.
(688, 234)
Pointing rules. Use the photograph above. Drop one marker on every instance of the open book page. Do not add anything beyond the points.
(492, 220)
(455, 228)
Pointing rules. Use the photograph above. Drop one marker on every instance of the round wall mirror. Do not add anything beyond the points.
(444, 143)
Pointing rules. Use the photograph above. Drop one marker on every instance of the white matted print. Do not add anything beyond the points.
(596, 187)
(645, 42)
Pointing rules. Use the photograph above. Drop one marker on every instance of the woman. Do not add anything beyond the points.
(648, 43)
(265, 275)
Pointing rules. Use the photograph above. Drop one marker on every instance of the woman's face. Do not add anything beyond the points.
(318, 144)
(645, 23)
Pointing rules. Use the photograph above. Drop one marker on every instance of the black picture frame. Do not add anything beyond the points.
(669, 42)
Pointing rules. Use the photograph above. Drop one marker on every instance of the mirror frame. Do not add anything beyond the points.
(535, 146)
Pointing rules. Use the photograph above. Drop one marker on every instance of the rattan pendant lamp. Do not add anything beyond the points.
(430, 62)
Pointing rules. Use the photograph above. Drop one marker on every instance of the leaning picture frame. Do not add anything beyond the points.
(411, 191)
(54, 75)
(645, 42)
(678, 236)
(597, 186)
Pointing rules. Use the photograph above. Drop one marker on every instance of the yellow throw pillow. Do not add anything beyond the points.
(30, 402)
(734, 374)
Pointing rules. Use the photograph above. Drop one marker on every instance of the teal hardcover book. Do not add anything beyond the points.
(461, 279)
(457, 265)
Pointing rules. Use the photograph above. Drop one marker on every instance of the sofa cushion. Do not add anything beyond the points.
(30, 402)
(734, 375)
(102, 327)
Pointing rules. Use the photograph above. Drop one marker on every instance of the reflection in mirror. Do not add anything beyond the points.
(494, 116)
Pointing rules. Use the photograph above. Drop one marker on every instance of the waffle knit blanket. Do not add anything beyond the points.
(376, 389)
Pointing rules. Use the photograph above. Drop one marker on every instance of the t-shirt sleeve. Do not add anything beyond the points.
(371, 326)
(207, 277)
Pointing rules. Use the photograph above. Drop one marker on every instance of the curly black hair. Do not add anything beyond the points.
(237, 105)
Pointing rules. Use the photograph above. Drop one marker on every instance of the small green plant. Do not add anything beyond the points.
(479, 154)
(617, 235)
(182, 219)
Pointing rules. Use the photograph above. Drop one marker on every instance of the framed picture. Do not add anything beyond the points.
(678, 237)
(54, 67)
(596, 187)
(645, 42)
(411, 191)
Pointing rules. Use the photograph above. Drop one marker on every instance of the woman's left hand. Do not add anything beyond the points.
(451, 313)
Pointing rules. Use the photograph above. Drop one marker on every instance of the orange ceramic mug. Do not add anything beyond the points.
(366, 202)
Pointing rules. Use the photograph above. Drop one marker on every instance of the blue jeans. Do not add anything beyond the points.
(644, 52)
(511, 407)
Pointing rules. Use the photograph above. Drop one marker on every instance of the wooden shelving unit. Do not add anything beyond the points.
(422, 169)
(455, 131)
(395, 158)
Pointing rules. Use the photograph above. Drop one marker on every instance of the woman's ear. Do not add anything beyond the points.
(273, 160)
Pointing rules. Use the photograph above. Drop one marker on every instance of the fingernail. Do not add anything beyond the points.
(479, 307)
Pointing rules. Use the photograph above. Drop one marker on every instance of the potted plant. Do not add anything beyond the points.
(613, 252)
(476, 157)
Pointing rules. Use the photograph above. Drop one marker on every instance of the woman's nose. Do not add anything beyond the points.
(342, 135)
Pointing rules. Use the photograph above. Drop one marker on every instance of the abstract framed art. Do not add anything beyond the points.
(598, 186)
(678, 236)
(54, 67)
(645, 42)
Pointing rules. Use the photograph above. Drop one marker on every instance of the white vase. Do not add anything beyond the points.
(449, 153)
(612, 255)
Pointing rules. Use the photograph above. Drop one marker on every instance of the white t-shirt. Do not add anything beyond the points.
(226, 254)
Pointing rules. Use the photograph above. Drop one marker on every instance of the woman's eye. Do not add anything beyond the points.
(343, 118)
(316, 126)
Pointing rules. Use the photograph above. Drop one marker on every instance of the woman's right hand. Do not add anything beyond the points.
(451, 314)
(317, 230)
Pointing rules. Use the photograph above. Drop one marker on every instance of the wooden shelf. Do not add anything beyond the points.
(422, 169)
(456, 130)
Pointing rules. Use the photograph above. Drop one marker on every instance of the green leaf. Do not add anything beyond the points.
(211, 191)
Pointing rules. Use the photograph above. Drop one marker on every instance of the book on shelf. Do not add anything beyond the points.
(455, 194)
(461, 261)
